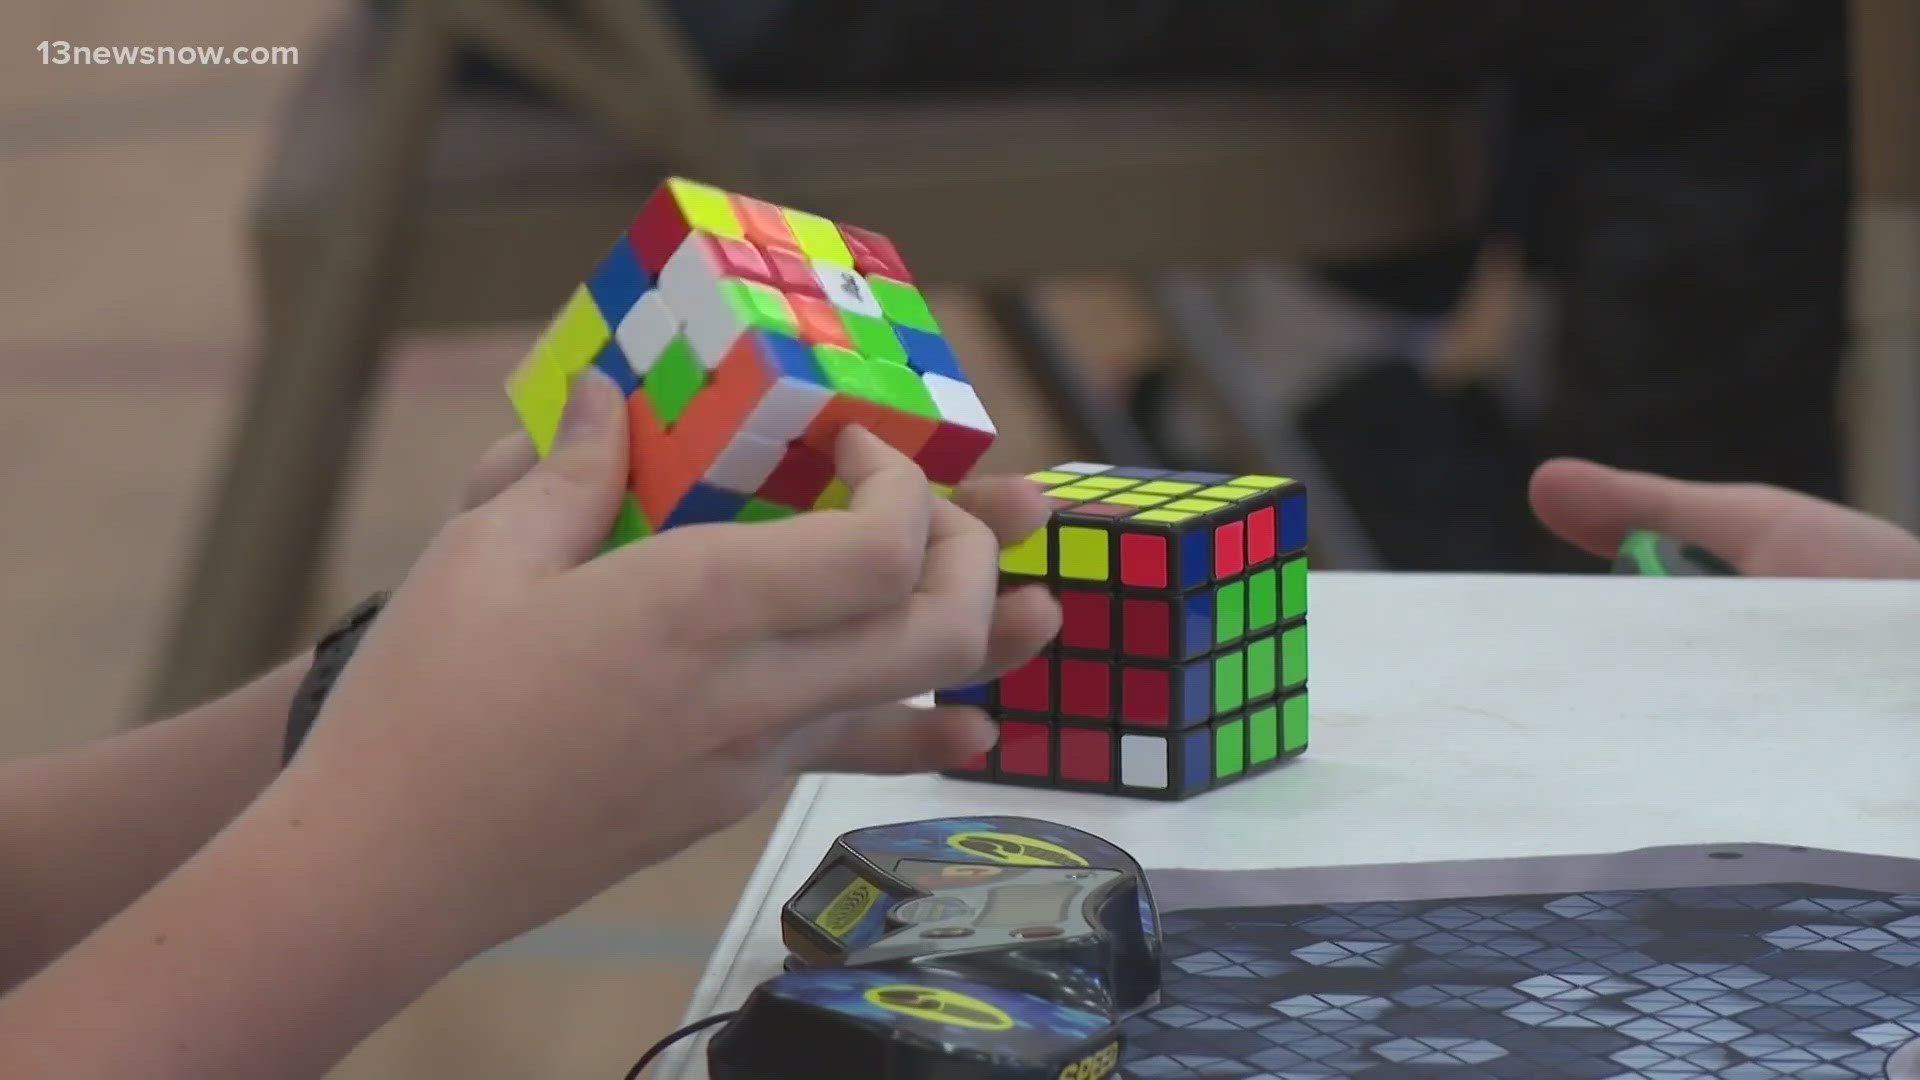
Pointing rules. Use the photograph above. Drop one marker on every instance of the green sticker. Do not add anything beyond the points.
(846, 371)
(1263, 668)
(873, 338)
(1230, 612)
(1293, 658)
(1293, 588)
(1229, 681)
(629, 525)
(903, 303)
(1263, 735)
(1229, 749)
(897, 387)
(762, 510)
(1263, 599)
(1293, 724)
(760, 307)
(676, 377)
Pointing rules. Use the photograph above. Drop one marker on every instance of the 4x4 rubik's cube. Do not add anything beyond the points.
(1181, 664)
(746, 336)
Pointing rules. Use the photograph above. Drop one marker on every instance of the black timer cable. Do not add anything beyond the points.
(660, 1047)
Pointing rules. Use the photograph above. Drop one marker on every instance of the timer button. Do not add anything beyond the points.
(926, 909)
(1031, 932)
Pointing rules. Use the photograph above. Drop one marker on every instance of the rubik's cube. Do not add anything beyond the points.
(1181, 664)
(746, 336)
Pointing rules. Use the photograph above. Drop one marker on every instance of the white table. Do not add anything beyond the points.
(1459, 717)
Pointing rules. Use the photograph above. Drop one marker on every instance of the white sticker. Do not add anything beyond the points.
(1143, 761)
(847, 289)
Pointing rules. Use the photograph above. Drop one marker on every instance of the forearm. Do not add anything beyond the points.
(283, 943)
(86, 831)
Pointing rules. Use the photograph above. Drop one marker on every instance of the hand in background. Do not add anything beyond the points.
(1763, 531)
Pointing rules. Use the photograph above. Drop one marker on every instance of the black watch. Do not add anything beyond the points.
(329, 659)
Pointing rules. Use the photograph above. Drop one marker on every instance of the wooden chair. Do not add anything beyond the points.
(395, 203)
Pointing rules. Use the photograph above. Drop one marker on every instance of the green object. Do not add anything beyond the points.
(1293, 588)
(903, 303)
(1644, 553)
(675, 379)
(1230, 612)
(1263, 600)
(1263, 669)
(874, 338)
(1293, 724)
(1229, 748)
(1229, 681)
(1263, 735)
(896, 386)
(760, 307)
(846, 370)
(629, 525)
(1293, 657)
(762, 510)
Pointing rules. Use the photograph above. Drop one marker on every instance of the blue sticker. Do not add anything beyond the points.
(1293, 523)
(618, 282)
(704, 505)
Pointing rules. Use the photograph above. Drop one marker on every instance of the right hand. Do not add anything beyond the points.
(536, 722)
(1763, 531)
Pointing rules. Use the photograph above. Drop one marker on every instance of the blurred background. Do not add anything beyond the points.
(254, 319)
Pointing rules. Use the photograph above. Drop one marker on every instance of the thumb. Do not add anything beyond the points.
(1593, 507)
(558, 515)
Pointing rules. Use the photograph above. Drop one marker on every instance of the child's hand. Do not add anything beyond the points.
(1763, 531)
(535, 723)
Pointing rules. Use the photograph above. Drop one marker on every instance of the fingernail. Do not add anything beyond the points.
(589, 404)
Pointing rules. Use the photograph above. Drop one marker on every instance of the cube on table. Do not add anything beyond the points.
(745, 337)
(1181, 664)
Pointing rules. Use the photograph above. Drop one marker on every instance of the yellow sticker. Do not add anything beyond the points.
(939, 1006)
(1095, 1066)
(1011, 850)
(1168, 487)
(848, 908)
(1133, 498)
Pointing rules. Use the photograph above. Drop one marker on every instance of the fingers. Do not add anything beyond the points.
(887, 659)
(893, 740)
(1593, 507)
(816, 570)
(558, 514)
(504, 463)
(1012, 507)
